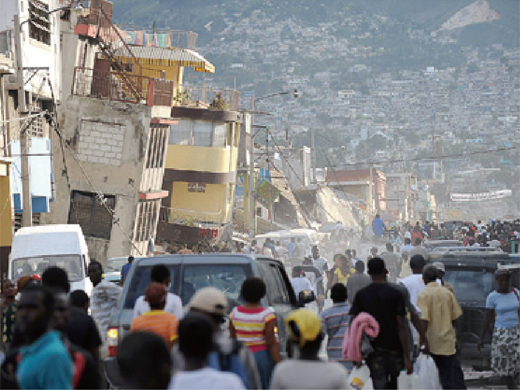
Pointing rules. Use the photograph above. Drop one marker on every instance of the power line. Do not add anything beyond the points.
(415, 159)
(299, 178)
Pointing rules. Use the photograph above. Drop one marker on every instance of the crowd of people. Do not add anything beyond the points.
(386, 310)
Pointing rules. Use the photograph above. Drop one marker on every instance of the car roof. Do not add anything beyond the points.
(442, 243)
(216, 258)
(481, 260)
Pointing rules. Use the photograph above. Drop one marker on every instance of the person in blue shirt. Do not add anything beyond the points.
(502, 306)
(126, 268)
(45, 362)
(290, 248)
(378, 226)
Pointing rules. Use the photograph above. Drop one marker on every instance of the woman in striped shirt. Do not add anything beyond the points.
(254, 325)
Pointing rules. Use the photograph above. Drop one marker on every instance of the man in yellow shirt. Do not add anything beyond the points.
(439, 309)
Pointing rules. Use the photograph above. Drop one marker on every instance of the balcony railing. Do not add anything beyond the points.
(203, 97)
(110, 85)
(191, 217)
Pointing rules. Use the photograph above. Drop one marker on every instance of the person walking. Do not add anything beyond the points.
(299, 282)
(44, 361)
(254, 325)
(308, 371)
(415, 284)
(343, 272)
(8, 313)
(439, 311)
(156, 320)
(229, 354)
(378, 226)
(386, 304)
(335, 321)
(442, 271)
(196, 344)
(80, 329)
(160, 274)
(392, 262)
(357, 281)
(126, 268)
(143, 362)
(502, 306)
(103, 298)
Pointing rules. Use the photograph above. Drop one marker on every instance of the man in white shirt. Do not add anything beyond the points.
(415, 284)
(299, 283)
(196, 343)
(160, 274)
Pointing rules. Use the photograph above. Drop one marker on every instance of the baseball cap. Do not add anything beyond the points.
(440, 266)
(209, 300)
(155, 293)
(304, 325)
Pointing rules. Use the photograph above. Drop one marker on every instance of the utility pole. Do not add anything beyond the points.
(313, 158)
(24, 137)
(252, 199)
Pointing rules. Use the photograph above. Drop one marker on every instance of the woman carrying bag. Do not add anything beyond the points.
(503, 305)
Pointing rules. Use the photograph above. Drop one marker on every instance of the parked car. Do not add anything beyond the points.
(112, 269)
(472, 276)
(431, 244)
(190, 273)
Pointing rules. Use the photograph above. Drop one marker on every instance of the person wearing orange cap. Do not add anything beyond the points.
(157, 321)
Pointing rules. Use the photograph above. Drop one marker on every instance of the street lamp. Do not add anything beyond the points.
(24, 158)
(252, 201)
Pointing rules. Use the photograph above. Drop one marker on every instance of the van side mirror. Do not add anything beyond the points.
(306, 296)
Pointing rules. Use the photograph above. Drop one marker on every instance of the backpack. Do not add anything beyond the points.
(230, 362)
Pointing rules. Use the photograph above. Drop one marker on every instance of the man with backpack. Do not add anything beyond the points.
(229, 355)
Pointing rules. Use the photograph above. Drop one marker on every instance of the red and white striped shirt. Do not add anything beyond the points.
(250, 323)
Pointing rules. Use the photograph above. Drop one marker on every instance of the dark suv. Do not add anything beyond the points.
(193, 272)
(472, 276)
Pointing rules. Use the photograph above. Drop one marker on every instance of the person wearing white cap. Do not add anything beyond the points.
(442, 271)
(213, 303)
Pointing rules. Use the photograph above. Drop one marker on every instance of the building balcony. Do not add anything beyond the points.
(131, 88)
(122, 87)
(208, 98)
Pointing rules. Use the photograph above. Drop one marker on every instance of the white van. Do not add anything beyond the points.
(36, 248)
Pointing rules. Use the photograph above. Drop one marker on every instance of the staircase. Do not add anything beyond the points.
(109, 39)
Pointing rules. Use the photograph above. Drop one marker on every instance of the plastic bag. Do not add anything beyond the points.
(407, 382)
(427, 375)
(359, 379)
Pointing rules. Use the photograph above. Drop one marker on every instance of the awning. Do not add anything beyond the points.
(162, 56)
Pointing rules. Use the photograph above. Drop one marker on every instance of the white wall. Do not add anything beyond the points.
(36, 54)
(40, 166)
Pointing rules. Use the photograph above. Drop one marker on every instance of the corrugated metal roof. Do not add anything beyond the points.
(174, 56)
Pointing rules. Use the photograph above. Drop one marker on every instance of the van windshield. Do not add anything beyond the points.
(471, 285)
(28, 266)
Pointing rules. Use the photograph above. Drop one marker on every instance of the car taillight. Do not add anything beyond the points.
(112, 341)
